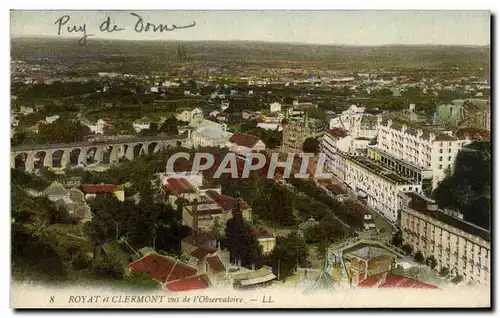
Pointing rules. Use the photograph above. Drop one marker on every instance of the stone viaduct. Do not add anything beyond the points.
(31, 157)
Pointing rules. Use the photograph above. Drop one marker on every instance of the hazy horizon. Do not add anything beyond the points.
(329, 28)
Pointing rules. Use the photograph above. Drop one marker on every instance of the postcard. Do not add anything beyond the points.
(250, 159)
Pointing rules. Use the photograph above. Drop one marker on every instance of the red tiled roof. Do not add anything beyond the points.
(215, 263)
(223, 115)
(337, 132)
(388, 280)
(201, 252)
(189, 283)
(473, 133)
(178, 185)
(224, 201)
(162, 268)
(99, 188)
(335, 189)
(245, 140)
(445, 137)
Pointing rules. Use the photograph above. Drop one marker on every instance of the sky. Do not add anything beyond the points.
(315, 27)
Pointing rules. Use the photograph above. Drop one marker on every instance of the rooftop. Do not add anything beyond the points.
(421, 204)
(189, 283)
(163, 268)
(245, 140)
(379, 170)
(389, 280)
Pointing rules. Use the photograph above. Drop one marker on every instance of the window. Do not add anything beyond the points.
(449, 158)
(440, 166)
(440, 158)
(441, 150)
(449, 150)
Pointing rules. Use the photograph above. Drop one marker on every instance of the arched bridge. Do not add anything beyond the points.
(60, 155)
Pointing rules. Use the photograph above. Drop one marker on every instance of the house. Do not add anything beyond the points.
(189, 115)
(214, 113)
(362, 261)
(91, 190)
(71, 200)
(242, 144)
(210, 260)
(275, 107)
(26, 110)
(224, 105)
(14, 122)
(246, 114)
(163, 269)
(266, 240)
(141, 125)
(244, 278)
(223, 117)
(51, 119)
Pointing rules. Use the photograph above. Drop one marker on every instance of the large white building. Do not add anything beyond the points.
(428, 150)
(382, 189)
(210, 134)
(460, 246)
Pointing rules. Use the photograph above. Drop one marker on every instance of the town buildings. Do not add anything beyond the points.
(243, 144)
(460, 246)
(297, 130)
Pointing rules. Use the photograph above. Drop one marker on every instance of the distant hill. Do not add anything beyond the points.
(379, 56)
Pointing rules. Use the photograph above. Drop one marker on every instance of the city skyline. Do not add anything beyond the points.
(351, 28)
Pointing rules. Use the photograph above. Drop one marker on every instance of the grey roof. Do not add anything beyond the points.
(369, 252)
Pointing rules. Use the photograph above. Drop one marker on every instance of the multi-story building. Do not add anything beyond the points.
(426, 150)
(381, 188)
(297, 130)
(458, 245)
(357, 122)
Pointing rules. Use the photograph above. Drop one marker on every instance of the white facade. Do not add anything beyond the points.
(275, 107)
(244, 150)
(461, 247)
(211, 136)
(141, 126)
(381, 188)
(190, 115)
(51, 119)
(424, 148)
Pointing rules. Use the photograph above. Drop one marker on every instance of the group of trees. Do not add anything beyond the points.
(274, 203)
(242, 245)
(144, 224)
(168, 127)
(468, 188)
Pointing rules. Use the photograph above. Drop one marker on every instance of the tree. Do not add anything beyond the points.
(468, 188)
(274, 202)
(431, 262)
(289, 253)
(169, 127)
(457, 279)
(444, 271)
(407, 249)
(419, 257)
(311, 145)
(242, 245)
(397, 239)
(107, 267)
